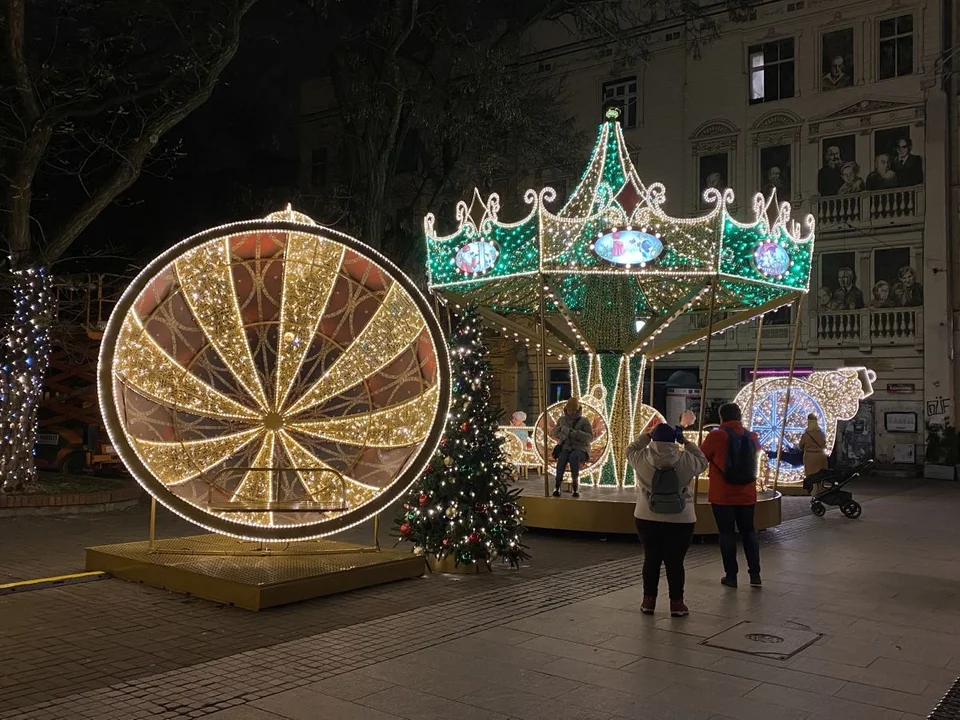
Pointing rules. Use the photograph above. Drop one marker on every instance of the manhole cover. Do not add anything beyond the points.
(777, 643)
(764, 638)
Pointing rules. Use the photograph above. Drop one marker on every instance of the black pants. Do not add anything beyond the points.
(572, 458)
(730, 519)
(664, 543)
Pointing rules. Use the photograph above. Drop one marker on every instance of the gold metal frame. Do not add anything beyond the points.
(260, 549)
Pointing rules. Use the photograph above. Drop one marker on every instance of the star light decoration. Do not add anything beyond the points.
(831, 395)
(610, 256)
(274, 380)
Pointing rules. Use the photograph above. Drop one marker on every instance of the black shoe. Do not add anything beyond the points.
(576, 494)
(556, 493)
(755, 580)
(730, 582)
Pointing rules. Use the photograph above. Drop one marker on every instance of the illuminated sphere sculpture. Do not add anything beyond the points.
(831, 396)
(274, 380)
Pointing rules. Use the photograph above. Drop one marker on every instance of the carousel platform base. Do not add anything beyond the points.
(610, 510)
(250, 576)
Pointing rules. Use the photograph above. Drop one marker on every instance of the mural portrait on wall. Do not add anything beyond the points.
(836, 59)
(775, 171)
(835, 152)
(714, 171)
(837, 275)
(886, 267)
(897, 144)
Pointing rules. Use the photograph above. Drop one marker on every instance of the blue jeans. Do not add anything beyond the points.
(573, 458)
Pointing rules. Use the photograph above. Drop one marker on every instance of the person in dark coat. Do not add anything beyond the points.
(907, 166)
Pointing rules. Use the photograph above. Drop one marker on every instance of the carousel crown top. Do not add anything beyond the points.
(614, 264)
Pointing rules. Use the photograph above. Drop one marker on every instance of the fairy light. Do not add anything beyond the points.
(570, 255)
(591, 292)
(463, 506)
(831, 395)
(25, 361)
(293, 380)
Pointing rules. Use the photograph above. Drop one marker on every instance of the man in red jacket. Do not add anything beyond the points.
(733, 491)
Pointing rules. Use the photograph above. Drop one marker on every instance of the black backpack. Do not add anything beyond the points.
(741, 459)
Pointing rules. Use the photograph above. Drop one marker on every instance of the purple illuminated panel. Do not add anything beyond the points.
(771, 260)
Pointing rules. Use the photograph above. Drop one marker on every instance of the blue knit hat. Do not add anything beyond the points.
(663, 433)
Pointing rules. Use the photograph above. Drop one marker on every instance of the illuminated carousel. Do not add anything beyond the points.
(273, 382)
(597, 283)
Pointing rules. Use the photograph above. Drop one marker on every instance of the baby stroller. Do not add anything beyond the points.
(833, 494)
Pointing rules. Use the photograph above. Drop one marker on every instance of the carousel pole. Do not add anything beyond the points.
(756, 366)
(706, 372)
(544, 387)
(798, 306)
(652, 361)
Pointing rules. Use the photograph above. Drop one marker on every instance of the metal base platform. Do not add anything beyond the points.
(610, 510)
(251, 576)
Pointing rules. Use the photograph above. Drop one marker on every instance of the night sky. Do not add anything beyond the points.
(239, 148)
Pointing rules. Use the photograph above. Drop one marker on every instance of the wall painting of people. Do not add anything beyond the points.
(839, 285)
(714, 171)
(895, 163)
(775, 171)
(837, 153)
(836, 59)
(896, 283)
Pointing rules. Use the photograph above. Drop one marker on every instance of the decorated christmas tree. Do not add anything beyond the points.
(464, 506)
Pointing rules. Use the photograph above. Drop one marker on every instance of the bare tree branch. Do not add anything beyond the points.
(137, 151)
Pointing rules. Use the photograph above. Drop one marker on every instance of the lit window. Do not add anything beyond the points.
(895, 44)
(771, 71)
(623, 93)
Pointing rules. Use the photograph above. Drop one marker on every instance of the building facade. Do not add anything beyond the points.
(841, 108)
(848, 109)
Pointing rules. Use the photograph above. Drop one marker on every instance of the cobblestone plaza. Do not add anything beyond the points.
(560, 638)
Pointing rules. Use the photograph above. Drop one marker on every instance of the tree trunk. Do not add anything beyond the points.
(24, 357)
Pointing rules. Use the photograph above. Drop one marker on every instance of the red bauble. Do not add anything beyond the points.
(480, 507)
(473, 538)
(446, 542)
(443, 441)
(406, 529)
(423, 499)
(465, 427)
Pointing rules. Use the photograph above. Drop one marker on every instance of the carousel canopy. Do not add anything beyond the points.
(613, 264)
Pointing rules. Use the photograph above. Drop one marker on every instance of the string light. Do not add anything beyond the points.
(600, 297)
(25, 359)
(463, 506)
(579, 258)
(286, 356)
(831, 396)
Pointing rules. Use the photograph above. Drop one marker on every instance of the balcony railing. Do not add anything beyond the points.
(867, 328)
(900, 206)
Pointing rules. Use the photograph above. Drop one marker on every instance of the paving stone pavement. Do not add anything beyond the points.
(561, 638)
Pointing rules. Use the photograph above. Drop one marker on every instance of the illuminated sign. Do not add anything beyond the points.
(628, 247)
(477, 257)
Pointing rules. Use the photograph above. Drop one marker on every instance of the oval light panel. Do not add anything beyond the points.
(477, 257)
(771, 260)
(628, 247)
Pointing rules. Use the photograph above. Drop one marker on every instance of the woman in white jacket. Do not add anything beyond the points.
(665, 513)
